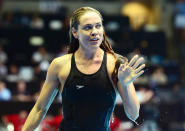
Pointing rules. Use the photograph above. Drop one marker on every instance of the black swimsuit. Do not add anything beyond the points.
(88, 100)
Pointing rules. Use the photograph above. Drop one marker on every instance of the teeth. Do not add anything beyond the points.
(94, 39)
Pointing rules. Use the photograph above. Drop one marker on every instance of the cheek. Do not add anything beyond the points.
(84, 35)
(81, 36)
(102, 32)
(101, 35)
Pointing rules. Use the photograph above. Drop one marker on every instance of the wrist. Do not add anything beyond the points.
(124, 84)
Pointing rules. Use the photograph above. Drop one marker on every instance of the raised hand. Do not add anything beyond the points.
(128, 73)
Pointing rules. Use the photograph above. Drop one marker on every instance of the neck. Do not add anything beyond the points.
(89, 54)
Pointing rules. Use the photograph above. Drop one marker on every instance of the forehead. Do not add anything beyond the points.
(90, 18)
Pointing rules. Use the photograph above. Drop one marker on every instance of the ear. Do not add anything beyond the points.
(74, 32)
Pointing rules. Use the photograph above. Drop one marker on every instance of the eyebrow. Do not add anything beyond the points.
(92, 24)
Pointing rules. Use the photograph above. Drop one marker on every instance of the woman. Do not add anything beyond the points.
(89, 75)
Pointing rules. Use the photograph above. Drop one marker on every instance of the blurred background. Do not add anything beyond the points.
(33, 32)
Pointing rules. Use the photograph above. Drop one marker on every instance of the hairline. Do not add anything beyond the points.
(91, 11)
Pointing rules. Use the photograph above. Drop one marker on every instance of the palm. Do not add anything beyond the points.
(128, 73)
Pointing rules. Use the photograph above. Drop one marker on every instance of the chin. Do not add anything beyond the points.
(95, 45)
(98, 43)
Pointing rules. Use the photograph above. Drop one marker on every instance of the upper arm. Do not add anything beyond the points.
(49, 89)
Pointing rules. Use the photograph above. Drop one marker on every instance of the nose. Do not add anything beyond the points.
(94, 32)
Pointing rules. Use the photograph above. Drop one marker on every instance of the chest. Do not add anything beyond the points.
(83, 89)
(89, 67)
(81, 67)
(84, 68)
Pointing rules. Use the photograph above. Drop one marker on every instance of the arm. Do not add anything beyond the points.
(47, 95)
(130, 101)
(126, 75)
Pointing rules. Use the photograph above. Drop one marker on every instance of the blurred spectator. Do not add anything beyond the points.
(36, 94)
(13, 73)
(178, 92)
(150, 117)
(3, 55)
(114, 123)
(142, 13)
(144, 94)
(182, 44)
(154, 17)
(8, 19)
(41, 58)
(5, 125)
(136, 51)
(25, 20)
(21, 93)
(40, 55)
(135, 129)
(26, 73)
(17, 120)
(5, 93)
(17, 19)
(156, 59)
(179, 31)
(179, 14)
(137, 14)
(125, 126)
(39, 75)
(37, 22)
(3, 71)
(52, 123)
(63, 50)
(159, 76)
(149, 125)
(44, 65)
(143, 80)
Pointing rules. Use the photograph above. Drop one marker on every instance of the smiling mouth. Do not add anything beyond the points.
(94, 39)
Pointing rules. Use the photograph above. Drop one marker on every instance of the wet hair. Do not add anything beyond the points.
(105, 45)
(119, 60)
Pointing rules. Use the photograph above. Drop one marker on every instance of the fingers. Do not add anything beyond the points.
(140, 68)
(138, 62)
(138, 74)
(133, 60)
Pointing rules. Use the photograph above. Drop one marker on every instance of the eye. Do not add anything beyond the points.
(87, 27)
(98, 26)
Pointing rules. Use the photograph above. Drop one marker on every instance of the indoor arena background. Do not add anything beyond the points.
(33, 32)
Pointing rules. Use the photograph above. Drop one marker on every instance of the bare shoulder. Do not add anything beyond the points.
(59, 61)
(60, 64)
(63, 66)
